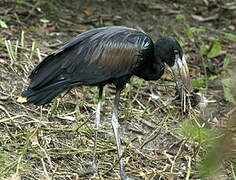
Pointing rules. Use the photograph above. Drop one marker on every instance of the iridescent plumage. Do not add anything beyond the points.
(96, 57)
(101, 56)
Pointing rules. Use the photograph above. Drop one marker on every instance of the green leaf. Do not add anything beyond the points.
(202, 82)
(43, 20)
(212, 78)
(137, 81)
(230, 36)
(203, 49)
(3, 24)
(196, 30)
(228, 84)
(169, 83)
(228, 95)
(189, 31)
(214, 50)
(94, 89)
(180, 17)
(199, 83)
(180, 41)
(226, 62)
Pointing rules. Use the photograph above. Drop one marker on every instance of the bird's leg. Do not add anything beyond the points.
(115, 125)
(96, 127)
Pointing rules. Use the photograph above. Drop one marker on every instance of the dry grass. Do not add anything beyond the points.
(56, 141)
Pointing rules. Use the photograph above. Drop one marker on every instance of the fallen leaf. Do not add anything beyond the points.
(75, 93)
(21, 99)
(205, 19)
(3, 61)
(15, 176)
(34, 140)
(230, 6)
(215, 50)
(45, 177)
(230, 36)
(3, 24)
(155, 6)
(4, 98)
(70, 118)
(141, 173)
(88, 105)
(88, 11)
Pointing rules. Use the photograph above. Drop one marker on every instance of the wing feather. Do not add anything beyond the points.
(92, 57)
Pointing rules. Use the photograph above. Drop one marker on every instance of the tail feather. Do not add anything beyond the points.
(46, 94)
(49, 69)
(49, 79)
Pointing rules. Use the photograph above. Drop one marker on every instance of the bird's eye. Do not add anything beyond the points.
(176, 52)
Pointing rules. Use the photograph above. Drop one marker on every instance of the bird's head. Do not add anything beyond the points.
(169, 51)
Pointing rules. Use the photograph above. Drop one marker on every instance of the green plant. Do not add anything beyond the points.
(14, 50)
(209, 151)
(209, 50)
(202, 81)
(202, 136)
(228, 85)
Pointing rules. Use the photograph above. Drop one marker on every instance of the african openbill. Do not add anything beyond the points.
(101, 56)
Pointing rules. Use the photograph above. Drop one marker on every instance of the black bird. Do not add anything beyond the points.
(106, 55)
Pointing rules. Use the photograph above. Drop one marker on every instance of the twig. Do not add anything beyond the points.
(189, 168)
(45, 169)
(154, 134)
(176, 156)
(11, 118)
(232, 169)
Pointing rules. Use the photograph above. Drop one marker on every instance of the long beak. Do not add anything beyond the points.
(181, 74)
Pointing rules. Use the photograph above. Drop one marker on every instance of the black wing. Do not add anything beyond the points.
(90, 58)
